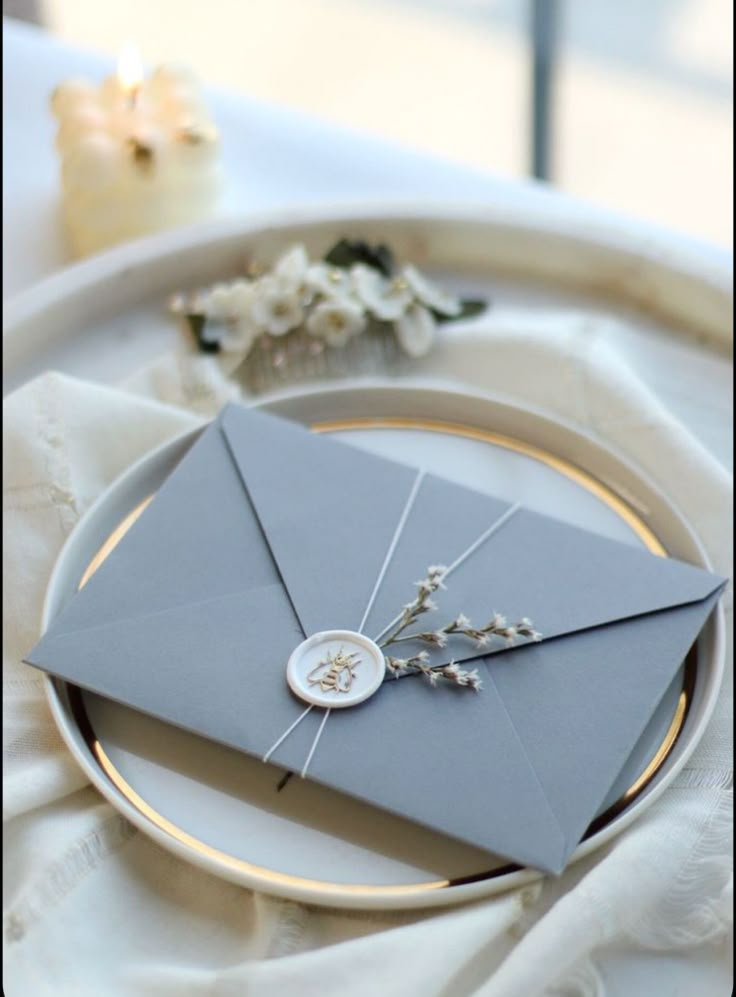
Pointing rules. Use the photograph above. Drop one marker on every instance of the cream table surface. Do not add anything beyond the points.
(282, 157)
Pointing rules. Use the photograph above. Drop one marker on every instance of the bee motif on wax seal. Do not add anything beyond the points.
(323, 669)
(335, 673)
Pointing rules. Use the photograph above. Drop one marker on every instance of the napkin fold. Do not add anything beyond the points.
(75, 868)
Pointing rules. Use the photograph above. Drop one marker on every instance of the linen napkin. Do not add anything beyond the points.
(92, 906)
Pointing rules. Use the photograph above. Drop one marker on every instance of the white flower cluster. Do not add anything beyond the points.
(334, 304)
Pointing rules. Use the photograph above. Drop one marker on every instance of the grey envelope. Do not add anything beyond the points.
(266, 533)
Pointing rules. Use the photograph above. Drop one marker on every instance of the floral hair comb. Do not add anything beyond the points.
(356, 302)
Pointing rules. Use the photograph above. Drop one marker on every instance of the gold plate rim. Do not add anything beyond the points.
(268, 878)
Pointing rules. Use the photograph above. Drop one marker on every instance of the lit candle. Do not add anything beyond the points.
(137, 154)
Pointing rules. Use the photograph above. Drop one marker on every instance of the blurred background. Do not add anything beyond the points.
(622, 102)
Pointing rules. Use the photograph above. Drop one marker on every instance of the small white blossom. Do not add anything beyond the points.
(292, 271)
(276, 309)
(229, 302)
(439, 637)
(330, 282)
(473, 680)
(429, 294)
(498, 622)
(386, 299)
(435, 574)
(336, 321)
(462, 622)
(291, 266)
(415, 331)
(432, 582)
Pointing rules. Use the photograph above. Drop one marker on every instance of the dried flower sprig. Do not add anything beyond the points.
(495, 627)
(420, 663)
(423, 603)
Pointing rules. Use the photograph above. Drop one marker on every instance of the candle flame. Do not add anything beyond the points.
(130, 69)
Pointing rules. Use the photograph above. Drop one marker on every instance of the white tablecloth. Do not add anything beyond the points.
(86, 899)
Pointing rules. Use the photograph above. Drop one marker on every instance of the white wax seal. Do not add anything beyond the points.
(335, 669)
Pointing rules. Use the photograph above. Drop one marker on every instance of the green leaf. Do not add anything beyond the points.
(347, 252)
(469, 308)
(204, 343)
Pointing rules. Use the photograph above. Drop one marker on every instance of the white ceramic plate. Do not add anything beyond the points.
(218, 809)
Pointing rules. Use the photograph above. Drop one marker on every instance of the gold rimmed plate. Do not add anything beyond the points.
(217, 808)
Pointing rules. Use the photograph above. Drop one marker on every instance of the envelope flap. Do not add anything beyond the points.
(564, 578)
(579, 704)
(198, 537)
(328, 512)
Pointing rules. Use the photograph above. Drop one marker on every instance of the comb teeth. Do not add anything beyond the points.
(299, 358)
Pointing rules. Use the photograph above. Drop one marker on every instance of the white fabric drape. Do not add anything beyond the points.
(93, 907)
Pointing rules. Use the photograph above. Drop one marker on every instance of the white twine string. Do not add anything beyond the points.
(463, 557)
(392, 546)
(315, 742)
(286, 734)
(384, 567)
(483, 537)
